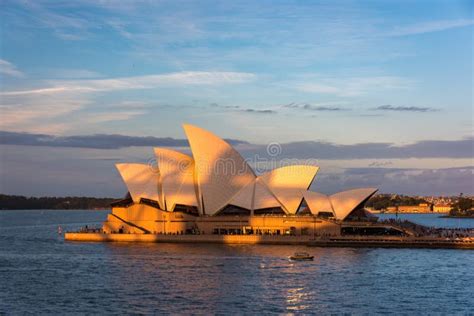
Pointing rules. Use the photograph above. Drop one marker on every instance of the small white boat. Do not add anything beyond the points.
(301, 256)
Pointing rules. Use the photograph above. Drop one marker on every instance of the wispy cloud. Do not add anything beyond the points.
(380, 163)
(24, 110)
(311, 107)
(38, 114)
(50, 91)
(114, 116)
(403, 108)
(217, 105)
(64, 26)
(354, 86)
(7, 68)
(462, 148)
(431, 26)
(237, 108)
(323, 108)
(258, 111)
(138, 82)
(120, 27)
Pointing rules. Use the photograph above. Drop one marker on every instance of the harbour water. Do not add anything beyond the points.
(41, 273)
(432, 220)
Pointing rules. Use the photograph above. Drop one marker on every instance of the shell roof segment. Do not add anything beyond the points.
(177, 178)
(288, 182)
(221, 170)
(141, 180)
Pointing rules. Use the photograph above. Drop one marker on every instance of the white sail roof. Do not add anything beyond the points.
(287, 184)
(177, 178)
(217, 176)
(317, 202)
(221, 171)
(264, 198)
(244, 198)
(345, 202)
(141, 181)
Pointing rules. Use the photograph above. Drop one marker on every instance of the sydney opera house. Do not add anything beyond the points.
(216, 192)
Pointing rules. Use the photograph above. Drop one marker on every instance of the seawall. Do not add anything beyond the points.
(352, 241)
(221, 239)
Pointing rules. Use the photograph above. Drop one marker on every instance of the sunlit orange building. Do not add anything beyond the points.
(216, 192)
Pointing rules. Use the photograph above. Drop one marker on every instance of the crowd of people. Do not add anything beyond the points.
(87, 229)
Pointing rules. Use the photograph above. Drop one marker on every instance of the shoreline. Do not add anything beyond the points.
(352, 241)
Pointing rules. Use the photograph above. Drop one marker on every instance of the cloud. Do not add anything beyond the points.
(138, 82)
(34, 110)
(120, 28)
(66, 26)
(99, 141)
(34, 114)
(353, 86)
(114, 116)
(311, 107)
(237, 108)
(447, 181)
(322, 108)
(403, 108)
(463, 148)
(431, 26)
(50, 91)
(259, 111)
(9, 69)
(217, 105)
(380, 163)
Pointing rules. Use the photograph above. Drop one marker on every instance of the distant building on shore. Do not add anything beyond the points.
(420, 208)
(442, 208)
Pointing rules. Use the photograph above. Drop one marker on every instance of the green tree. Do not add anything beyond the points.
(462, 207)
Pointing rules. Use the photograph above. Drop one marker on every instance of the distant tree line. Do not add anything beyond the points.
(16, 202)
(382, 201)
(462, 207)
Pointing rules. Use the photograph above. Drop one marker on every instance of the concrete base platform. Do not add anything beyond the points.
(221, 239)
(378, 242)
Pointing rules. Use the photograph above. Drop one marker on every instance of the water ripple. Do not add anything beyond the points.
(40, 273)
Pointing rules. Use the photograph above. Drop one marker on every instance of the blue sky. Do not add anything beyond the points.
(344, 72)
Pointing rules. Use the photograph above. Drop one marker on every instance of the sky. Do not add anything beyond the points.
(379, 93)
